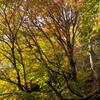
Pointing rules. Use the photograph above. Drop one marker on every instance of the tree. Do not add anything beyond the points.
(13, 50)
(40, 48)
(90, 39)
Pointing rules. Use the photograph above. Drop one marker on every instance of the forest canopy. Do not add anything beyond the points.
(49, 50)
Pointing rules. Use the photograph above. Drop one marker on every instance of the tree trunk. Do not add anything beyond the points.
(95, 69)
(73, 69)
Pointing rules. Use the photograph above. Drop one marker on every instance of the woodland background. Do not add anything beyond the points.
(49, 50)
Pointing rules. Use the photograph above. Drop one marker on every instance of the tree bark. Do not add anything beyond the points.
(95, 69)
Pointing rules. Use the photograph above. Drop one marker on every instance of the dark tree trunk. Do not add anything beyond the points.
(73, 69)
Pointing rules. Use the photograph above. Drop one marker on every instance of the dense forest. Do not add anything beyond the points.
(49, 50)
